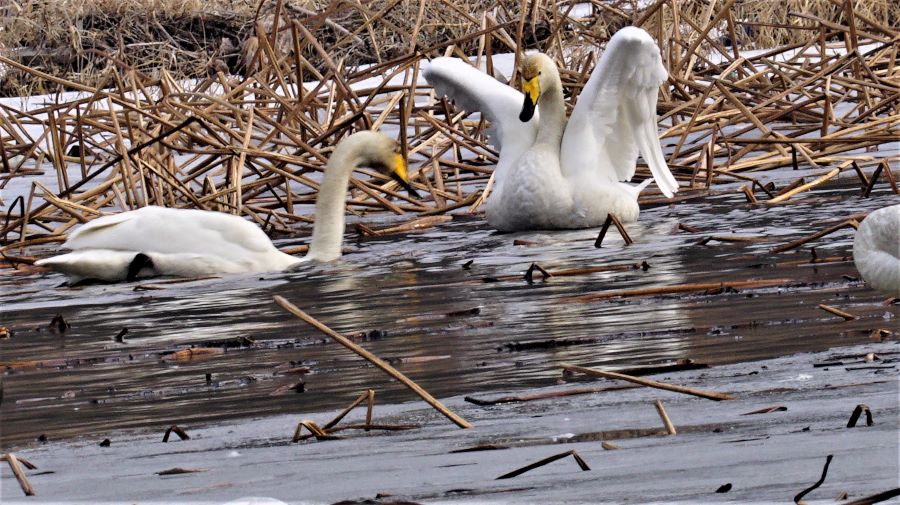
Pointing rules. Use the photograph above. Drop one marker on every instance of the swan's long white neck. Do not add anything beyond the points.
(552, 106)
(328, 230)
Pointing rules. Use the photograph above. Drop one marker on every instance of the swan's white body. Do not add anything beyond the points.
(188, 242)
(178, 242)
(554, 173)
(876, 250)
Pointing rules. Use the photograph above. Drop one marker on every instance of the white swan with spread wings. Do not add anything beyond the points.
(559, 173)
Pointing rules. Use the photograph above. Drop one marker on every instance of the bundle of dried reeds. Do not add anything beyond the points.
(254, 145)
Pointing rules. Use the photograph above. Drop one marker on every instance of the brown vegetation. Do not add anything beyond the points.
(81, 41)
(249, 144)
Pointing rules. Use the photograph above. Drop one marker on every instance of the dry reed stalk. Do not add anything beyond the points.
(529, 274)
(854, 417)
(612, 219)
(681, 288)
(543, 396)
(515, 473)
(877, 497)
(667, 423)
(326, 432)
(851, 222)
(766, 410)
(381, 427)
(367, 396)
(838, 312)
(375, 360)
(818, 483)
(179, 470)
(805, 187)
(13, 462)
(890, 176)
(414, 225)
(313, 428)
(711, 395)
(621, 267)
(178, 431)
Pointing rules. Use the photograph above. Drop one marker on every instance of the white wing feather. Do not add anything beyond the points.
(615, 117)
(475, 91)
(162, 230)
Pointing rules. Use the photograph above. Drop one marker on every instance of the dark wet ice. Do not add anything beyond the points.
(408, 299)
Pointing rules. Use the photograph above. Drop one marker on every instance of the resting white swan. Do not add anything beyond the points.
(558, 174)
(158, 241)
(876, 250)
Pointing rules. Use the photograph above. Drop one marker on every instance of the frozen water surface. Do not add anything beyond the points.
(399, 292)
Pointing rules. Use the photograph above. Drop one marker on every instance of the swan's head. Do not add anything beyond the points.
(378, 151)
(538, 72)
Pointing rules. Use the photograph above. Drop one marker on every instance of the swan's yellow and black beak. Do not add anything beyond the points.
(399, 174)
(532, 90)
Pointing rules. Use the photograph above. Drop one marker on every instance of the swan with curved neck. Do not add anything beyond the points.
(158, 241)
(362, 148)
(532, 193)
(555, 172)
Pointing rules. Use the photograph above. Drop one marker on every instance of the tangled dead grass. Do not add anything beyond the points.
(769, 24)
(251, 144)
(83, 40)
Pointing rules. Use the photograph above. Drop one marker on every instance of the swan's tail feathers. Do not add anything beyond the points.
(63, 264)
(648, 143)
(97, 264)
(635, 189)
(640, 187)
(46, 262)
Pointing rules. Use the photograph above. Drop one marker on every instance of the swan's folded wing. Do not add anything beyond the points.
(475, 91)
(168, 231)
(85, 236)
(615, 117)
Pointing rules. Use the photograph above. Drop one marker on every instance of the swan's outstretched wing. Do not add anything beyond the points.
(615, 117)
(163, 230)
(475, 91)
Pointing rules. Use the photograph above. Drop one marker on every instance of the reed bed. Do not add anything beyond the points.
(251, 138)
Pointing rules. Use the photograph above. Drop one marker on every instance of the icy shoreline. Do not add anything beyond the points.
(766, 457)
